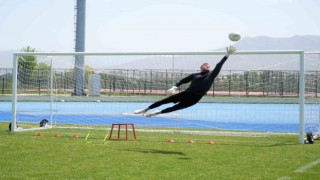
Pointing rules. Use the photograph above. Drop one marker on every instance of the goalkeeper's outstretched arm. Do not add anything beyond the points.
(217, 69)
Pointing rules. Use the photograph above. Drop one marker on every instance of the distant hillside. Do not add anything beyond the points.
(238, 62)
(245, 62)
(306, 43)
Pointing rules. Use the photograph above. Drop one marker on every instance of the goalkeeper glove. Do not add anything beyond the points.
(173, 90)
(230, 50)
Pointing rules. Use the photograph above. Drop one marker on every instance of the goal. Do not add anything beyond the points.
(256, 91)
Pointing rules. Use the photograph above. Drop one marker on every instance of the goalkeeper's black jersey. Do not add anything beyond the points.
(202, 81)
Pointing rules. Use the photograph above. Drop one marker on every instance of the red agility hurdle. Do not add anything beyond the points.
(119, 127)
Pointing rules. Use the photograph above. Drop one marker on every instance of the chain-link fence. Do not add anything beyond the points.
(122, 81)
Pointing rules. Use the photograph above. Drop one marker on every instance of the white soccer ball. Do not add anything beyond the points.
(234, 36)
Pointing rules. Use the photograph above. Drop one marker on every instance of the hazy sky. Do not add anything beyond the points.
(152, 25)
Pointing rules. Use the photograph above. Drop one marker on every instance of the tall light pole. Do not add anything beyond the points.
(79, 69)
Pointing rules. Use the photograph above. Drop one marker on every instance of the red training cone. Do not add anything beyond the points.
(75, 136)
(171, 140)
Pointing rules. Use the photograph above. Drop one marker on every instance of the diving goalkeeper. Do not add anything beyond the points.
(200, 85)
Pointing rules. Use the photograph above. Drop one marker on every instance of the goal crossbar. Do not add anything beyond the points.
(157, 53)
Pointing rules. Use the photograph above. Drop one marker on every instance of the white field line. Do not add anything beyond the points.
(304, 168)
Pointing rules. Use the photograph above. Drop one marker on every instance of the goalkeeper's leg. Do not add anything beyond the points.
(187, 101)
(141, 111)
(171, 99)
(176, 107)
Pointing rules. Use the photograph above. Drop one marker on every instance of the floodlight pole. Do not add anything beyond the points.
(79, 69)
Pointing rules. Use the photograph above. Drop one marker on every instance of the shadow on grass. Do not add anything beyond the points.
(155, 151)
(261, 145)
(282, 144)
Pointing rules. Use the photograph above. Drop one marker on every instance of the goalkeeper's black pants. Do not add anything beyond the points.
(182, 100)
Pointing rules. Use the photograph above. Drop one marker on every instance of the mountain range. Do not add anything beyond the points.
(308, 43)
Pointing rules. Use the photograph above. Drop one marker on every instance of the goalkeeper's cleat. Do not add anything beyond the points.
(310, 137)
(141, 111)
(153, 114)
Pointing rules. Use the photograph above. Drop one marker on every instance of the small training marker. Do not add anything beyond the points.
(39, 134)
(57, 135)
(211, 142)
(75, 136)
(170, 140)
(190, 141)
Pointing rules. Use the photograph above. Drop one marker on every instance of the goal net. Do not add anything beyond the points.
(256, 91)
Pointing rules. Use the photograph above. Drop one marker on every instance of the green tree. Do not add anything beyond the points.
(26, 66)
(42, 66)
(69, 76)
(88, 71)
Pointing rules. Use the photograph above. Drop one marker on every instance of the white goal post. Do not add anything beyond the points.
(299, 53)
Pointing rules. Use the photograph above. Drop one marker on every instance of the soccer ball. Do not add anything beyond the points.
(234, 36)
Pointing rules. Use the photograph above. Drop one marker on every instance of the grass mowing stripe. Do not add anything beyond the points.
(284, 178)
(304, 168)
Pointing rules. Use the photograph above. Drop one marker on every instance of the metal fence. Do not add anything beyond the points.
(122, 81)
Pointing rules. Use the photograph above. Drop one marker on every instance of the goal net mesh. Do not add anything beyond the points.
(253, 92)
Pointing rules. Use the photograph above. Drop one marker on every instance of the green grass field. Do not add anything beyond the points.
(27, 156)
